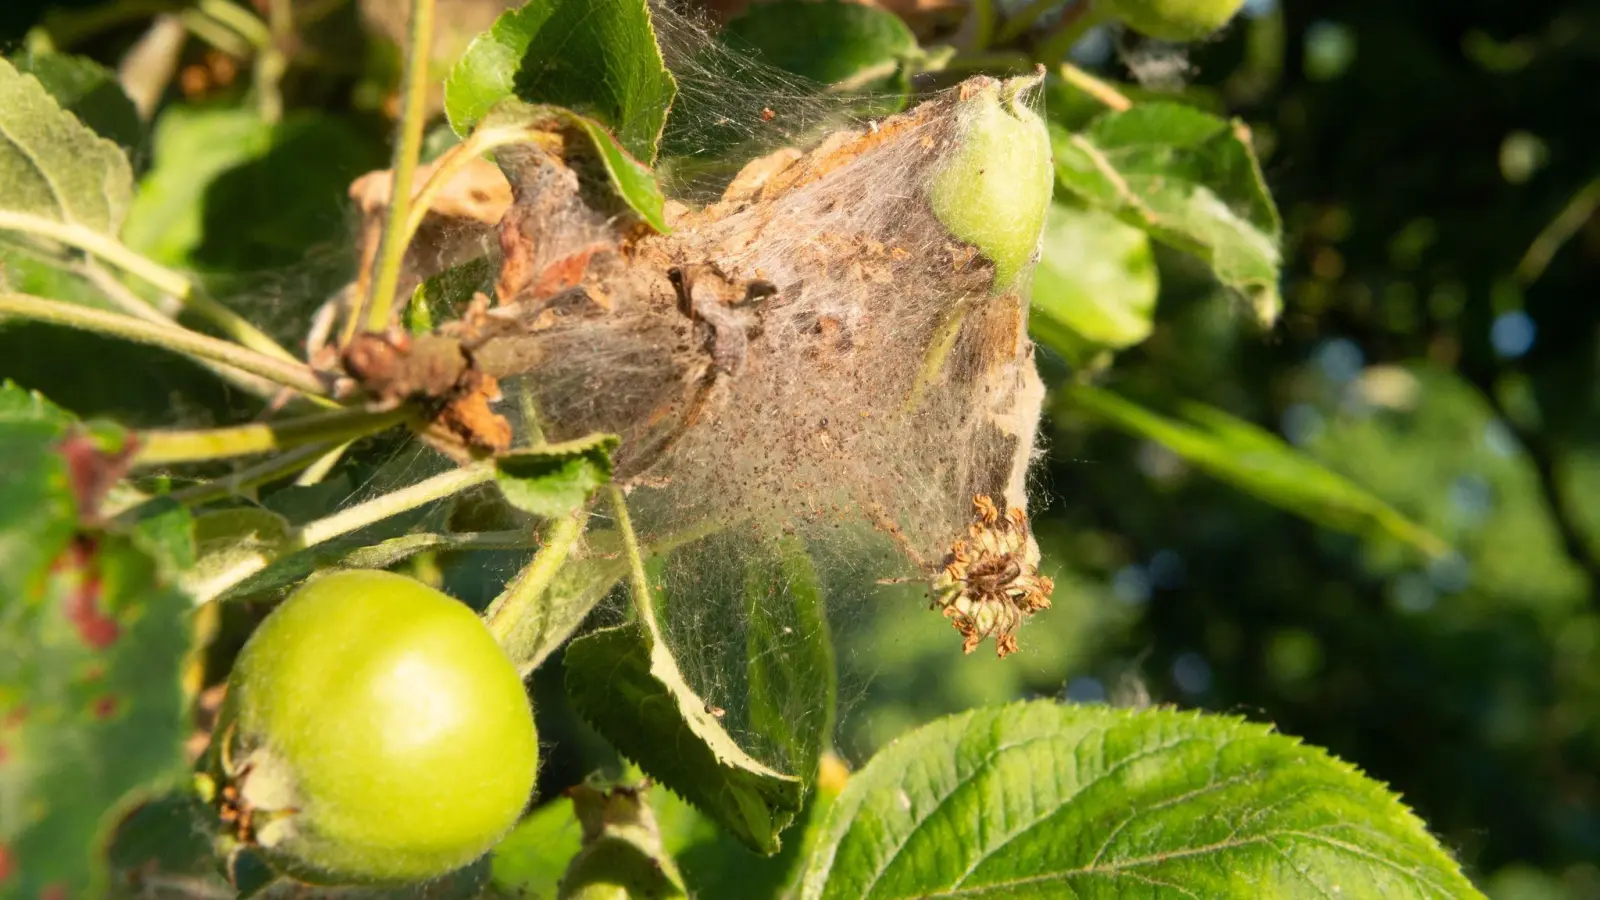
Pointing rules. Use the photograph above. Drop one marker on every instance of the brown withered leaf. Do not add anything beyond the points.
(441, 378)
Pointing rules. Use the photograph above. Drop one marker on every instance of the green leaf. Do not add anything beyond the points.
(597, 57)
(632, 180)
(530, 861)
(577, 587)
(1191, 180)
(89, 91)
(228, 191)
(92, 645)
(830, 42)
(190, 148)
(793, 681)
(555, 479)
(231, 542)
(626, 683)
(52, 165)
(1039, 800)
(1095, 285)
(1257, 461)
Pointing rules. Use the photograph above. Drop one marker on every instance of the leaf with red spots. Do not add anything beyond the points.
(93, 640)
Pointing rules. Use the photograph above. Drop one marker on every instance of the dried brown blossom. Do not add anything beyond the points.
(989, 581)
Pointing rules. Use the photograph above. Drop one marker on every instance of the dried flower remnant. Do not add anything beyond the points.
(990, 581)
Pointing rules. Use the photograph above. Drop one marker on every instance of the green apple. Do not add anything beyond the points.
(1174, 20)
(374, 732)
(993, 187)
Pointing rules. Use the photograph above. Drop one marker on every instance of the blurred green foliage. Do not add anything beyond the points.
(1436, 167)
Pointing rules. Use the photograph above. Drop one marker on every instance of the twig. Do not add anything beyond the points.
(290, 374)
(281, 465)
(355, 518)
(1560, 230)
(167, 447)
(158, 276)
(324, 464)
(445, 484)
(1102, 91)
(407, 149)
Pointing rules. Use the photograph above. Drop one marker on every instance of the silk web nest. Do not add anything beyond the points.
(809, 355)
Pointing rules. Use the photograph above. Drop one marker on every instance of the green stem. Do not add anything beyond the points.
(1103, 91)
(407, 149)
(446, 484)
(281, 465)
(360, 516)
(241, 20)
(96, 244)
(638, 581)
(289, 373)
(273, 59)
(218, 35)
(324, 464)
(160, 277)
(1567, 223)
(136, 306)
(158, 448)
(511, 607)
(982, 19)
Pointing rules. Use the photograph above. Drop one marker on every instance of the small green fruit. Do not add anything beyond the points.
(375, 732)
(993, 188)
(1174, 20)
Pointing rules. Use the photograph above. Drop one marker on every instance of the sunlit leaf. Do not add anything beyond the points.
(1189, 178)
(633, 181)
(52, 165)
(1040, 800)
(555, 479)
(1258, 462)
(596, 57)
(1095, 285)
(626, 682)
(92, 645)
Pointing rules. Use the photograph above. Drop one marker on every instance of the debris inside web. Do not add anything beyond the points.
(813, 354)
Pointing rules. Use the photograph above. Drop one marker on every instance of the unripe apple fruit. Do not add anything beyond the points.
(1174, 20)
(993, 187)
(375, 732)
